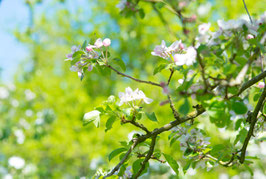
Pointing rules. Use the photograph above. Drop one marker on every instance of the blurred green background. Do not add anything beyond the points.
(42, 103)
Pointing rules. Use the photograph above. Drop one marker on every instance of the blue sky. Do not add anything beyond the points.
(13, 15)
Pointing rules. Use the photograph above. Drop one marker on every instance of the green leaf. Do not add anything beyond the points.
(159, 68)
(218, 113)
(238, 123)
(137, 165)
(172, 163)
(116, 152)
(152, 116)
(239, 107)
(110, 123)
(84, 45)
(141, 13)
(120, 63)
(256, 97)
(93, 116)
(184, 108)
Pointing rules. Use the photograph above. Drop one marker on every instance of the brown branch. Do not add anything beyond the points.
(170, 77)
(135, 79)
(148, 156)
(203, 74)
(250, 83)
(252, 125)
(176, 115)
(116, 168)
(133, 122)
(152, 157)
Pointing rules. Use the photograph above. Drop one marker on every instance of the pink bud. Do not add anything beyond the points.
(89, 48)
(249, 36)
(261, 85)
(163, 84)
(182, 4)
(181, 46)
(106, 42)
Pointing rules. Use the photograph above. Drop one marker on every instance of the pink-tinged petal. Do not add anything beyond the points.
(261, 85)
(249, 36)
(90, 67)
(106, 42)
(98, 43)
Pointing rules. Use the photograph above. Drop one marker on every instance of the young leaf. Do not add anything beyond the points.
(159, 68)
(172, 163)
(84, 45)
(120, 63)
(152, 116)
(110, 123)
(184, 108)
(116, 152)
(137, 165)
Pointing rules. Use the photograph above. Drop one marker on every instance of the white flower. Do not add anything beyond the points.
(3, 93)
(131, 95)
(98, 43)
(204, 28)
(16, 162)
(20, 136)
(29, 95)
(8, 176)
(186, 59)
(231, 24)
(164, 52)
(73, 50)
(204, 9)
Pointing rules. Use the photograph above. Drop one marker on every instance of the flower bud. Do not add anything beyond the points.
(106, 42)
(261, 85)
(249, 36)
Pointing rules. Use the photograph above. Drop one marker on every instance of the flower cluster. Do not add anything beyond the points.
(82, 58)
(131, 95)
(193, 140)
(177, 52)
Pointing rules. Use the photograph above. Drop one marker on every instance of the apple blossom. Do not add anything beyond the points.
(204, 28)
(91, 114)
(164, 52)
(106, 42)
(131, 95)
(73, 49)
(89, 48)
(186, 59)
(249, 36)
(98, 43)
(261, 85)
(16, 162)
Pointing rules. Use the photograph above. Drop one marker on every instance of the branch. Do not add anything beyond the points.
(250, 83)
(203, 74)
(170, 77)
(135, 143)
(152, 157)
(133, 122)
(155, 132)
(176, 115)
(148, 156)
(135, 79)
(247, 11)
(252, 125)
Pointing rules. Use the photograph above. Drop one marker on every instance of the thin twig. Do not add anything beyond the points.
(170, 77)
(148, 156)
(247, 11)
(135, 79)
(252, 125)
(133, 122)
